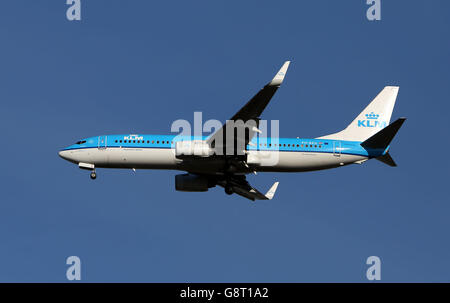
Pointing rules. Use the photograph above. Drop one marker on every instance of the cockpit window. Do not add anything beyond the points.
(81, 142)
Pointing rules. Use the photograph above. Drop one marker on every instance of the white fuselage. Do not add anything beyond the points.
(164, 158)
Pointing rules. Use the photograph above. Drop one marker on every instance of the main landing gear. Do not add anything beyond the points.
(228, 189)
(228, 185)
(93, 175)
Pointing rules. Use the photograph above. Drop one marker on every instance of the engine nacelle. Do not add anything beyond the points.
(197, 148)
(189, 182)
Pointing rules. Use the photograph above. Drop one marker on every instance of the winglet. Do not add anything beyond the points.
(279, 77)
(271, 192)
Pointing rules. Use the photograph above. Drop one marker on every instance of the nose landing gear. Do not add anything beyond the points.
(90, 167)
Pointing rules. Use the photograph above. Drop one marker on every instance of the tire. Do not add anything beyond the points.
(228, 190)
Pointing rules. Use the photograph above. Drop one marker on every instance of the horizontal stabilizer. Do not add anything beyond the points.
(387, 159)
(383, 138)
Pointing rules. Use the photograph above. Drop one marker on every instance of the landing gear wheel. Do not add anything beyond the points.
(228, 190)
(93, 175)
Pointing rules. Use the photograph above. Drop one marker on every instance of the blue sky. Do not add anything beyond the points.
(136, 66)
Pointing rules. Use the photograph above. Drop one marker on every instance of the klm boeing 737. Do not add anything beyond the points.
(225, 160)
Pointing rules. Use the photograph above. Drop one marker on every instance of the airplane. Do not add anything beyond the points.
(225, 159)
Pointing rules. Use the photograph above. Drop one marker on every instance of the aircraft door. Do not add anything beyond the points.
(102, 142)
(337, 148)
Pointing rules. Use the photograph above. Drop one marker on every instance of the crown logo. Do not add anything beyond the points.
(372, 116)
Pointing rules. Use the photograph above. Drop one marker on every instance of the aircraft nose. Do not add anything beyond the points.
(64, 154)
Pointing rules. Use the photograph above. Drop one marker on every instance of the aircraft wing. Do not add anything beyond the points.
(240, 186)
(250, 112)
